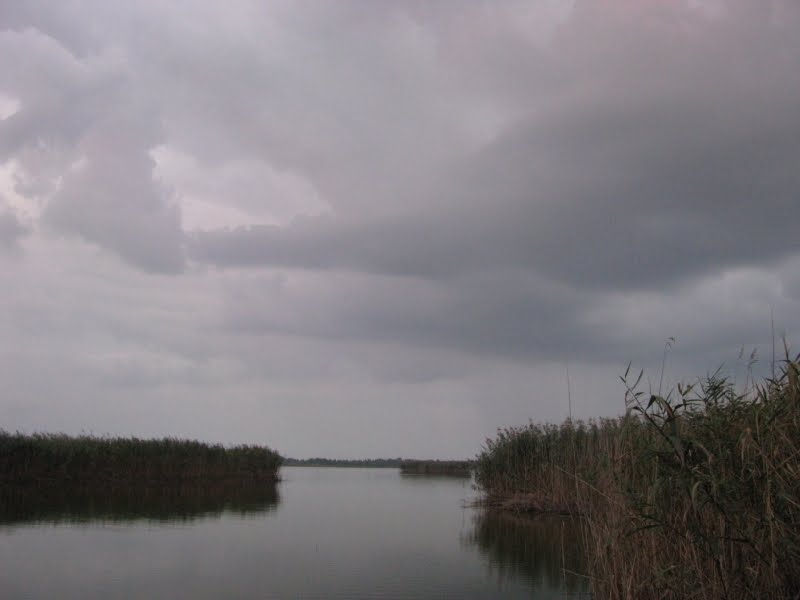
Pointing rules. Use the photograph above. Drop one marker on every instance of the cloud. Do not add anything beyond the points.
(238, 191)
(81, 139)
(489, 314)
(274, 217)
(665, 159)
(112, 198)
(11, 230)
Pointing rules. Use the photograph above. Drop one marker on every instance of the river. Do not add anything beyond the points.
(320, 533)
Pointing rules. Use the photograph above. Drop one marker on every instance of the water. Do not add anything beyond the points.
(322, 533)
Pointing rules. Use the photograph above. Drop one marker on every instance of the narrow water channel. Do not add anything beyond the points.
(320, 533)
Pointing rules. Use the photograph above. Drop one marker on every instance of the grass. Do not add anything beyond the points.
(41, 459)
(692, 495)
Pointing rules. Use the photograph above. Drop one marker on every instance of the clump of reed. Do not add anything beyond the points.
(533, 467)
(453, 468)
(695, 494)
(43, 458)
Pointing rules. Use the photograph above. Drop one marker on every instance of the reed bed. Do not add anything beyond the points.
(43, 459)
(695, 494)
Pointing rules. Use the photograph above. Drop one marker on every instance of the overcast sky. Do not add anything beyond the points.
(357, 229)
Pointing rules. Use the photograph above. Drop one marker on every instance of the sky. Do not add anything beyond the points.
(357, 229)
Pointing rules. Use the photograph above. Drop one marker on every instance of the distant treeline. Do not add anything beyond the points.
(456, 468)
(43, 458)
(694, 494)
(382, 463)
(429, 467)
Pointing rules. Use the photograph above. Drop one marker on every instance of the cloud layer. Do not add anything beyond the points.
(269, 216)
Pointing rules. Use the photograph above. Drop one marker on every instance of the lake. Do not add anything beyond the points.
(320, 533)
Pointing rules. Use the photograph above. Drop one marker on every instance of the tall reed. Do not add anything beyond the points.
(692, 495)
(57, 458)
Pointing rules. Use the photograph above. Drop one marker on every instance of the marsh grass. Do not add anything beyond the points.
(691, 495)
(42, 459)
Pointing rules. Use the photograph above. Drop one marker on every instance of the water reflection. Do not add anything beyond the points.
(65, 504)
(546, 550)
(466, 476)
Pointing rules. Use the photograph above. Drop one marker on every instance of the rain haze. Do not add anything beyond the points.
(362, 229)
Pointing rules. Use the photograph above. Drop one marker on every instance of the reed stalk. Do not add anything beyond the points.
(695, 494)
(43, 458)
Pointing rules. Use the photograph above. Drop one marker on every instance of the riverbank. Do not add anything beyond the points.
(50, 459)
(691, 495)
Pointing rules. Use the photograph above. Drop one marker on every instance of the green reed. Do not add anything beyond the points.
(43, 458)
(691, 495)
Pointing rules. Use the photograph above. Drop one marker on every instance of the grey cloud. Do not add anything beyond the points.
(505, 187)
(114, 200)
(11, 230)
(643, 178)
(491, 314)
(60, 95)
(790, 281)
(84, 129)
(405, 246)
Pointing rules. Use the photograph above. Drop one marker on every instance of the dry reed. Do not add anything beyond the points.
(692, 495)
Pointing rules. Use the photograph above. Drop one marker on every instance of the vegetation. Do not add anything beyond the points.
(119, 462)
(692, 495)
(461, 468)
(380, 463)
(453, 468)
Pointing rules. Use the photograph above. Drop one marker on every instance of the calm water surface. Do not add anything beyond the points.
(321, 533)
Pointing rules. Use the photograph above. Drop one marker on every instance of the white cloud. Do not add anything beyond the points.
(235, 193)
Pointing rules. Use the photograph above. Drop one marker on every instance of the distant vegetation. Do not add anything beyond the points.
(114, 462)
(692, 495)
(456, 468)
(460, 468)
(382, 463)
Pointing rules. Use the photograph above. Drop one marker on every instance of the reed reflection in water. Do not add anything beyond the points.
(546, 549)
(81, 504)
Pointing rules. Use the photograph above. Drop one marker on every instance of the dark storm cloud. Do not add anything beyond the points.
(675, 157)
(496, 313)
(649, 162)
(414, 213)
